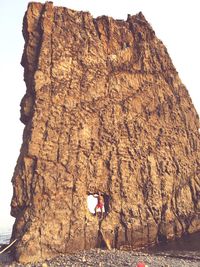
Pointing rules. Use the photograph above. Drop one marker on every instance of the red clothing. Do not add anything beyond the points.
(99, 205)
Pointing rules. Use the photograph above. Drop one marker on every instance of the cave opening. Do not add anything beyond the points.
(92, 201)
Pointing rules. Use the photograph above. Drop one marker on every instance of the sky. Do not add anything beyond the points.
(175, 22)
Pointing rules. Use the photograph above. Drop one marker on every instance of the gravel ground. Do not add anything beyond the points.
(105, 258)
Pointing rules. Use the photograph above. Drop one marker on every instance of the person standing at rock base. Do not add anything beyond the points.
(100, 204)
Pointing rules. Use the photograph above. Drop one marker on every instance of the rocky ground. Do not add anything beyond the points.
(97, 257)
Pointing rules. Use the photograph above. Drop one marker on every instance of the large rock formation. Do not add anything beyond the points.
(104, 111)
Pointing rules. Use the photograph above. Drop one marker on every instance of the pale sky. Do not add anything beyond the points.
(175, 22)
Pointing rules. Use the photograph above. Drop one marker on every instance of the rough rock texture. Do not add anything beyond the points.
(104, 111)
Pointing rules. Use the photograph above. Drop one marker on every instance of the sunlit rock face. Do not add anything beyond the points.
(104, 111)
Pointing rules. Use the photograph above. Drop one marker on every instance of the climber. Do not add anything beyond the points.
(100, 204)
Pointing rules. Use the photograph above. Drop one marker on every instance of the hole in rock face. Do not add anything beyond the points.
(92, 203)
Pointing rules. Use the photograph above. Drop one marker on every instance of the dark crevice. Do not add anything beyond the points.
(97, 28)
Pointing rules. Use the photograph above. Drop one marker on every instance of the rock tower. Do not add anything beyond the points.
(104, 111)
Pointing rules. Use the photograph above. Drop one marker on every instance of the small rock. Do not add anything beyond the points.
(140, 264)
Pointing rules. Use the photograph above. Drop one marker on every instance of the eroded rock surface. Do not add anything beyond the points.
(105, 111)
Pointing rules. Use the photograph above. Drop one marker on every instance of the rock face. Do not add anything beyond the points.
(104, 111)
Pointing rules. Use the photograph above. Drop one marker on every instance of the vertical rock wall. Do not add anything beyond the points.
(104, 111)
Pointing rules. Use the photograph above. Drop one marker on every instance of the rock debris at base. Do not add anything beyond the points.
(105, 258)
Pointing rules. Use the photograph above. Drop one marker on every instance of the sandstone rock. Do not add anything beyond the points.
(104, 111)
